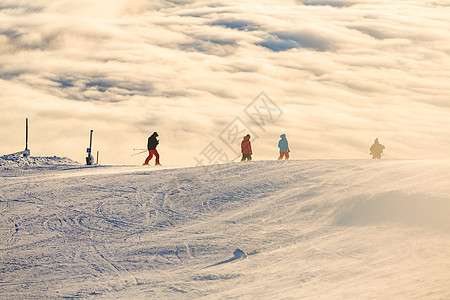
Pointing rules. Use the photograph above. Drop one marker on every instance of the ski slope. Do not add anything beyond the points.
(311, 229)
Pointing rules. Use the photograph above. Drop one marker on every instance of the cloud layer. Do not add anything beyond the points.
(343, 72)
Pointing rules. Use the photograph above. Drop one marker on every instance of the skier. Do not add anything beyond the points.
(284, 147)
(376, 149)
(246, 148)
(151, 146)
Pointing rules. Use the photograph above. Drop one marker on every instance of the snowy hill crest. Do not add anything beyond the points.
(17, 161)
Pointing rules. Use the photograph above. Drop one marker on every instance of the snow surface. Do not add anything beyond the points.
(312, 229)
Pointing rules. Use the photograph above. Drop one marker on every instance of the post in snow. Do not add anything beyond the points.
(26, 152)
(89, 157)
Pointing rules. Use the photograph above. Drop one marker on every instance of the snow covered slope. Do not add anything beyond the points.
(315, 229)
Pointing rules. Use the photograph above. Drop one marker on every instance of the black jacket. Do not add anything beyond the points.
(152, 142)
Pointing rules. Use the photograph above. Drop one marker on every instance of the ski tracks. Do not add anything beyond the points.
(17, 226)
(115, 267)
(5, 205)
(86, 251)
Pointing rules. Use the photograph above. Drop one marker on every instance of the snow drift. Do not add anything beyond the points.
(19, 162)
(403, 208)
(316, 229)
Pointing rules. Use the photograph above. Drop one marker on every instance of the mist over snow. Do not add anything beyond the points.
(342, 72)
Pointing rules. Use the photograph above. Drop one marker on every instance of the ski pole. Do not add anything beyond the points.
(138, 153)
(236, 158)
(139, 149)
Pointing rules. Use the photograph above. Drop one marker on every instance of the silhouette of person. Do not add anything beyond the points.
(284, 147)
(246, 148)
(151, 146)
(376, 149)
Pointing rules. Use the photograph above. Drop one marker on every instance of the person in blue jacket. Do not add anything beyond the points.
(284, 147)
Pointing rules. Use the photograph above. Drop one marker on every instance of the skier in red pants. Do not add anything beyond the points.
(151, 146)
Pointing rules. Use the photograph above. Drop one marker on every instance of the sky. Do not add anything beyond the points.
(331, 75)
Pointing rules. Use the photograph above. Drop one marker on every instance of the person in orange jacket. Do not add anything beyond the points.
(246, 148)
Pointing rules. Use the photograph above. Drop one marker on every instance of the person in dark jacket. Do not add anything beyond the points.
(151, 146)
(246, 148)
(376, 150)
(284, 147)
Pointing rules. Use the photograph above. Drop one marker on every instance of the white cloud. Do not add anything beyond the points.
(344, 72)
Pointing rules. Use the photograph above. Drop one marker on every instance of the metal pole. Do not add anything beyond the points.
(139, 153)
(26, 135)
(97, 157)
(90, 143)
(26, 153)
(89, 158)
(236, 158)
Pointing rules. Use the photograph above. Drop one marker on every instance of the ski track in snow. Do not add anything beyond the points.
(317, 229)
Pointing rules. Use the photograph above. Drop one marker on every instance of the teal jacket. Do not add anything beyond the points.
(283, 144)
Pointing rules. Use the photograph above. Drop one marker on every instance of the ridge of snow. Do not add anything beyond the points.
(17, 161)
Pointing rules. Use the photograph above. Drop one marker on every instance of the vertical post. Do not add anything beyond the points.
(89, 157)
(90, 143)
(97, 157)
(26, 153)
(26, 134)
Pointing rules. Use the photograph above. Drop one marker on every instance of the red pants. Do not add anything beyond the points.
(150, 155)
(284, 154)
